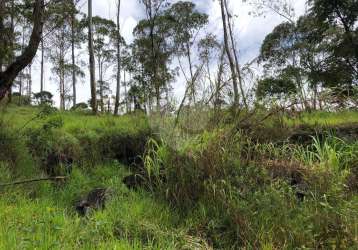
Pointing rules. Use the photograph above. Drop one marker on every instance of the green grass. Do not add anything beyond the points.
(41, 216)
(321, 118)
(217, 192)
(24, 115)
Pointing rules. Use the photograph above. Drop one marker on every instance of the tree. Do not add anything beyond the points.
(153, 72)
(91, 60)
(43, 97)
(118, 40)
(62, 43)
(153, 9)
(276, 88)
(210, 52)
(307, 50)
(229, 54)
(8, 76)
(280, 52)
(236, 59)
(185, 21)
(74, 40)
(128, 66)
(104, 38)
(344, 14)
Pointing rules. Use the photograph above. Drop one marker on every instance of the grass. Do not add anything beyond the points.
(41, 216)
(322, 118)
(208, 190)
(19, 116)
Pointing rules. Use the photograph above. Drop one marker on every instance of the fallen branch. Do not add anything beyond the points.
(55, 178)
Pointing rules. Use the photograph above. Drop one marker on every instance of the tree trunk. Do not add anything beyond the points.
(73, 19)
(8, 76)
(42, 67)
(62, 68)
(29, 93)
(100, 73)
(125, 90)
(192, 83)
(2, 30)
(315, 93)
(238, 70)
(12, 40)
(62, 75)
(218, 81)
(229, 55)
(116, 105)
(91, 60)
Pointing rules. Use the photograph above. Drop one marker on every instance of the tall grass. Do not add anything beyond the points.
(251, 201)
(213, 189)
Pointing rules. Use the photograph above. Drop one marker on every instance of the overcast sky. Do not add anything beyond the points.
(249, 34)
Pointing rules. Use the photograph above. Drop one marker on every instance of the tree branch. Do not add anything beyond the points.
(9, 75)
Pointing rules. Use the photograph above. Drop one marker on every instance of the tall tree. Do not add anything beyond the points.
(118, 85)
(73, 38)
(91, 60)
(186, 22)
(229, 52)
(153, 10)
(235, 53)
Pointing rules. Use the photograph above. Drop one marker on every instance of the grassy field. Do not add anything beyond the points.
(213, 190)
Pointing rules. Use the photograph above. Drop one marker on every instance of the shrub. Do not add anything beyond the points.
(13, 152)
(54, 149)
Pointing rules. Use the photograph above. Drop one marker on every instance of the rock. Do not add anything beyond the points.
(94, 200)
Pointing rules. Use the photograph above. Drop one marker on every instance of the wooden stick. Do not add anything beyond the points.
(34, 180)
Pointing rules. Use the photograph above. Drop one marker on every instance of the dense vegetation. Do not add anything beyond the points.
(262, 155)
(217, 189)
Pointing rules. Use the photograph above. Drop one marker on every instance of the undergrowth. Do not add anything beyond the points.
(225, 185)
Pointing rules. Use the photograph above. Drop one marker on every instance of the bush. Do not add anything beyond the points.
(13, 152)
(54, 149)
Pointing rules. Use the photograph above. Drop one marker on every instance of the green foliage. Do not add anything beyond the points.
(80, 106)
(216, 189)
(316, 51)
(43, 97)
(270, 87)
(13, 152)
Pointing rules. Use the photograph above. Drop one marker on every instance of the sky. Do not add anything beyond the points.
(249, 34)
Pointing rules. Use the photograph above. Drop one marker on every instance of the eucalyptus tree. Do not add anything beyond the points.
(91, 60)
(128, 67)
(153, 71)
(306, 50)
(60, 43)
(76, 37)
(229, 52)
(104, 43)
(185, 21)
(235, 53)
(119, 59)
(148, 30)
(210, 52)
(279, 52)
(14, 66)
(342, 15)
